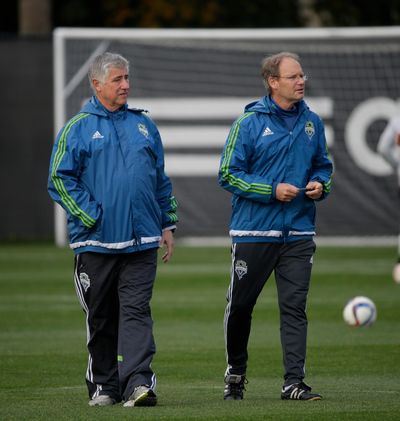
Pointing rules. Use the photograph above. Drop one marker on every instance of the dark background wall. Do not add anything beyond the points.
(26, 138)
(361, 204)
(26, 211)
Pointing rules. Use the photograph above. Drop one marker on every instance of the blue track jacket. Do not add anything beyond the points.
(261, 152)
(107, 172)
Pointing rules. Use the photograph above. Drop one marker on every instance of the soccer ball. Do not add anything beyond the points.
(359, 311)
(396, 273)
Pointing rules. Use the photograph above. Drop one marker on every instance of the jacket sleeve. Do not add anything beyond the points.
(234, 175)
(166, 201)
(322, 164)
(64, 185)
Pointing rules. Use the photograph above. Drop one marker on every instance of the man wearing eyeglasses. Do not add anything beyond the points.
(276, 165)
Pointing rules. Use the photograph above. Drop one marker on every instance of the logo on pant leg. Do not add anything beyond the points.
(84, 280)
(241, 268)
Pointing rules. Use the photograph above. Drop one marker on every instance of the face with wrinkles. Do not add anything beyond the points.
(113, 91)
(287, 88)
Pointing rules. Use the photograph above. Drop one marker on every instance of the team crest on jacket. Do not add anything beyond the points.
(309, 129)
(241, 268)
(84, 280)
(143, 129)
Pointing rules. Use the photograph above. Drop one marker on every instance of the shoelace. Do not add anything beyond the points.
(238, 387)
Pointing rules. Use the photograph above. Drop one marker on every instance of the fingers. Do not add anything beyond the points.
(168, 241)
(167, 255)
(286, 192)
(314, 190)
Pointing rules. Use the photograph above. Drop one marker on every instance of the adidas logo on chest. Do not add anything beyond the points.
(97, 135)
(267, 132)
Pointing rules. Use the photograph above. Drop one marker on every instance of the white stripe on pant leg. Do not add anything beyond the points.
(153, 382)
(99, 388)
(81, 298)
(78, 286)
(89, 369)
(229, 296)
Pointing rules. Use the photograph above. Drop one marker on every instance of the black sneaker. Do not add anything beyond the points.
(299, 391)
(234, 387)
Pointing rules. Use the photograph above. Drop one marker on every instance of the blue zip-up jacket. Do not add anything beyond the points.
(261, 152)
(107, 172)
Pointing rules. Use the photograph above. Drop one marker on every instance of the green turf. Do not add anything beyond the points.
(43, 356)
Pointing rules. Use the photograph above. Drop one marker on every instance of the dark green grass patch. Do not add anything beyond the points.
(43, 357)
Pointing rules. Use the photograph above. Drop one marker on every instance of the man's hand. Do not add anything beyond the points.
(167, 239)
(314, 190)
(286, 192)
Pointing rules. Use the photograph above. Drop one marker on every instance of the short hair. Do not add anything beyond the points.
(270, 65)
(101, 65)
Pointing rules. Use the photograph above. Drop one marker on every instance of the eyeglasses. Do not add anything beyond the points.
(293, 78)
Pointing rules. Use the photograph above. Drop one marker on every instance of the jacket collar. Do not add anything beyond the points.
(267, 106)
(94, 106)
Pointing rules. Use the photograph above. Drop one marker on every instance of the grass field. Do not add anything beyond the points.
(43, 356)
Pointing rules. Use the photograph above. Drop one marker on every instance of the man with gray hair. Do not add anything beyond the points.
(276, 166)
(107, 172)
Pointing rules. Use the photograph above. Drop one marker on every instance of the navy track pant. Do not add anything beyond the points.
(115, 292)
(252, 265)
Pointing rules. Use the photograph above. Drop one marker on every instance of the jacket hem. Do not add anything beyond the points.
(120, 247)
(243, 233)
(270, 237)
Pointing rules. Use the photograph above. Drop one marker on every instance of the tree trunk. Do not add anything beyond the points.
(308, 15)
(35, 17)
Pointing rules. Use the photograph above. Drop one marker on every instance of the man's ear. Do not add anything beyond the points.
(272, 82)
(97, 85)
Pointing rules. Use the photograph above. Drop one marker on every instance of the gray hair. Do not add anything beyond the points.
(101, 65)
(270, 66)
